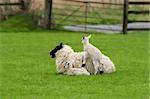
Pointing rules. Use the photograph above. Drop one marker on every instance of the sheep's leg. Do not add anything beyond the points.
(96, 66)
(85, 56)
(100, 69)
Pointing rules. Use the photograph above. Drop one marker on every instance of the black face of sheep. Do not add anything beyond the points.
(83, 38)
(53, 52)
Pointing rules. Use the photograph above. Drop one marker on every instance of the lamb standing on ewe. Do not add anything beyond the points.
(101, 62)
(69, 62)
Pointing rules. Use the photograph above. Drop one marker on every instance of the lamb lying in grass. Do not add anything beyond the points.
(101, 62)
(70, 70)
(69, 62)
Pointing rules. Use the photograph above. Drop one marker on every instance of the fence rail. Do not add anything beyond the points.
(93, 2)
(139, 12)
(131, 21)
(11, 4)
(138, 2)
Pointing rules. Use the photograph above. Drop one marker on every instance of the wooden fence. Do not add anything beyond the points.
(86, 6)
(21, 4)
(6, 8)
(127, 12)
(110, 3)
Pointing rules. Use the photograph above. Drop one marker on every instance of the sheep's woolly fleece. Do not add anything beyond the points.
(69, 62)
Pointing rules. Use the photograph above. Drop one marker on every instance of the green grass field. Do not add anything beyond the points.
(28, 72)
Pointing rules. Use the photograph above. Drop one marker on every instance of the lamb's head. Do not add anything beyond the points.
(67, 65)
(57, 48)
(85, 40)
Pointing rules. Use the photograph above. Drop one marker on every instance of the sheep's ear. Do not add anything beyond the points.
(61, 44)
(89, 36)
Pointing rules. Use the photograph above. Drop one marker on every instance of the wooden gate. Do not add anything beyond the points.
(80, 13)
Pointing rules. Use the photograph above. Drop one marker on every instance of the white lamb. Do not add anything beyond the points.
(101, 62)
(70, 70)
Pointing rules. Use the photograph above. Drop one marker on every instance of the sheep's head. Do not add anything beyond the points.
(57, 48)
(85, 40)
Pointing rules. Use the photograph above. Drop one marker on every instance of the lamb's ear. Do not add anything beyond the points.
(89, 36)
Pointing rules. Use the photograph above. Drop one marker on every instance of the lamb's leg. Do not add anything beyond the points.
(100, 69)
(96, 66)
(85, 56)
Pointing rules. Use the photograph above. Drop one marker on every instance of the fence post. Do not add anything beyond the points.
(85, 16)
(22, 2)
(125, 17)
(48, 14)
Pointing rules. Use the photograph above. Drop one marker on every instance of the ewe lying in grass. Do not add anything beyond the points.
(67, 61)
(101, 62)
